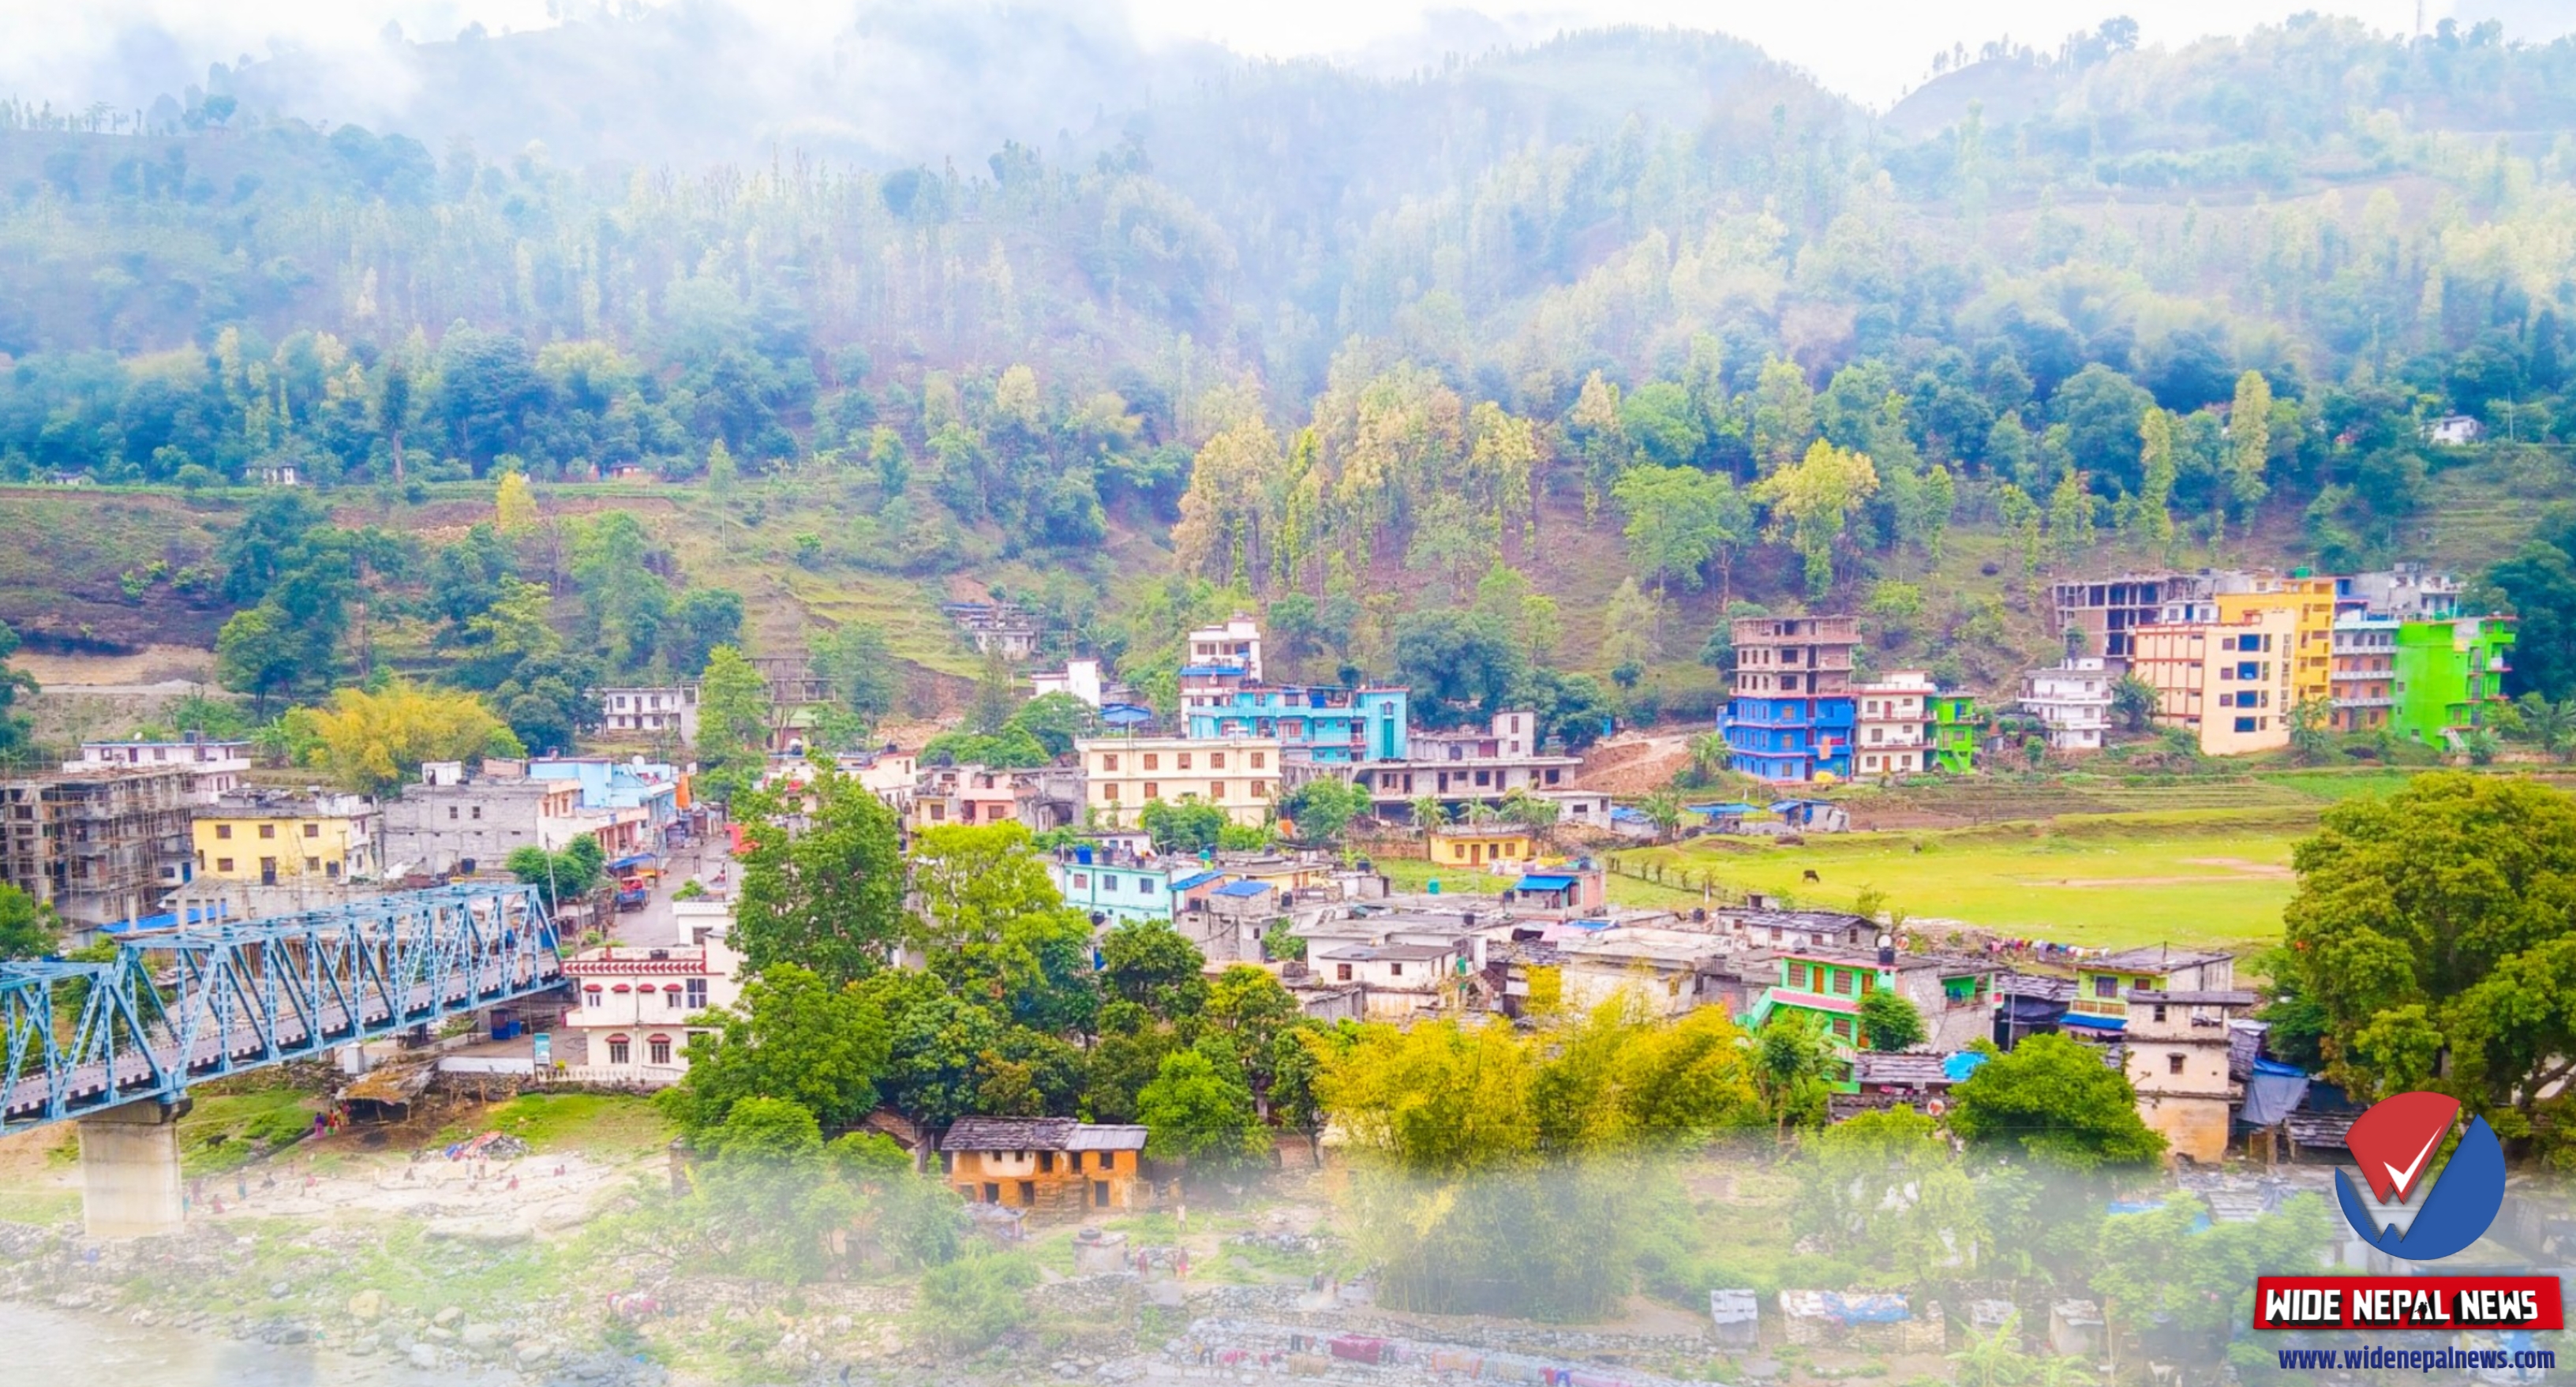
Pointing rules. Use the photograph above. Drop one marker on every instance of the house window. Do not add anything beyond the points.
(1028, 1193)
(1341, 972)
(1185, 760)
(1109, 762)
(992, 1193)
(697, 993)
(1842, 1028)
(1216, 791)
(223, 864)
(1395, 970)
(223, 830)
(1260, 760)
(1153, 761)
(1046, 1163)
(313, 830)
(1842, 982)
(1109, 793)
(2106, 987)
(1108, 1160)
(2160, 1011)
(1153, 790)
(451, 813)
(1216, 760)
(1076, 1158)
(1261, 789)
(620, 1049)
(658, 1049)
(2245, 724)
(2173, 1063)
(1797, 974)
(313, 864)
(478, 811)
(268, 830)
(1081, 882)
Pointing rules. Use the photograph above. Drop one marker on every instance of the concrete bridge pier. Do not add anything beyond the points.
(130, 1186)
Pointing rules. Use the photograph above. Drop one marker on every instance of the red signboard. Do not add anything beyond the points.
(2408, 1302)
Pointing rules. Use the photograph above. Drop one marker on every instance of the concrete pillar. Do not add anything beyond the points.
(130, 1185)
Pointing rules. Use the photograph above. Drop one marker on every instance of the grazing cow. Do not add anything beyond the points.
(1811, 875)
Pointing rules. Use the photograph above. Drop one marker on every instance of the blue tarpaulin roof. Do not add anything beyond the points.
(633, 859)
(1125, 714)
(1625, 815)
(1210, 671)
(1195, 879)
(2099, 1023)
(1733, 808)
(1961, 1065)
(1242, 888)
(197, 915)
(1544, 883)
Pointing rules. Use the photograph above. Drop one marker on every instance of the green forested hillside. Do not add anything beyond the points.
(1538, 360)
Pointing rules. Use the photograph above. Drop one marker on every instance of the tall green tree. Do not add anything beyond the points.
(2052, 1098)
(794, 1037)
(733, 725)
(2441, 923)
(822, 877)
(28, 927)
(1199, 1109)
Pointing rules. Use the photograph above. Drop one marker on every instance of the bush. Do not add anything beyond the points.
(970, 1303)
(281, 1126)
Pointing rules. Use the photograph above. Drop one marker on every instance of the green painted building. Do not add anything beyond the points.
(1954, 732)
(1955, 996)
(2103, 983)
(2450, 676)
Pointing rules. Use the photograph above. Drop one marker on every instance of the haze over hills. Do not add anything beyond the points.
(1010, 296)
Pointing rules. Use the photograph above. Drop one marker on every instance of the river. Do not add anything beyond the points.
(47, 1345)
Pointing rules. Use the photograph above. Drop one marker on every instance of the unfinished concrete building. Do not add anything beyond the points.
(101, 847)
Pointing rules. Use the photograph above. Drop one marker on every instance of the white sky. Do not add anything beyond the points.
(1871, 50)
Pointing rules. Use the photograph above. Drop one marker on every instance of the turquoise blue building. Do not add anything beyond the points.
(1326, 726)
(1114, 888)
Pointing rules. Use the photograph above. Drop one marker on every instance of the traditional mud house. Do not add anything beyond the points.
(1054, 1167)
(2177, 1056)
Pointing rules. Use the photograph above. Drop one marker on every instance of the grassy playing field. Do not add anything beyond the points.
(2117, 880)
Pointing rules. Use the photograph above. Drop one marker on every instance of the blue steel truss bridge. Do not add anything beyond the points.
(181, 1006)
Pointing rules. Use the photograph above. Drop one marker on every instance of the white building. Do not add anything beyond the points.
(2073, 700)
(2454, 430)
(214, 769)
(635, 1003)
(649, 712)
(1892, 724)
(1080, 678)
(1236, 643)
(1397, 980)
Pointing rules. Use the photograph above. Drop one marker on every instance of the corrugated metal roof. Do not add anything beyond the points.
(1039, 1134)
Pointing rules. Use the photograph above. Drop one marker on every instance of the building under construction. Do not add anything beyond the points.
(101, 847)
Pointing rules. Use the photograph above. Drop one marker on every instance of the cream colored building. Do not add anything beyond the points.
(2176, 1053)
(2229, 683)
(1121, 775)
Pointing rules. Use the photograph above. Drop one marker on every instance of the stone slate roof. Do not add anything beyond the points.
(1040, 1134)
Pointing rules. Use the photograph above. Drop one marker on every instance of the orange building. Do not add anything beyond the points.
(1052, 1166)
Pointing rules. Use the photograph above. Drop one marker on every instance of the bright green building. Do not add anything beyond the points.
(2450, 674)
(1954, 732)
(1822, 987)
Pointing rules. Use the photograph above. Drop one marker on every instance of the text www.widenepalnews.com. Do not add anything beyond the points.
(2419, 1359)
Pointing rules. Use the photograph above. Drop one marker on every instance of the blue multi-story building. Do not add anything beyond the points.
(1114, 887)
(1791, 718)
(1325, 726)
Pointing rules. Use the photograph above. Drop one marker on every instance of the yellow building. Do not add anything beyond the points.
(1482, 845)
(1121, 775)
(2226, 682)
(2311, 605)
(270, 838)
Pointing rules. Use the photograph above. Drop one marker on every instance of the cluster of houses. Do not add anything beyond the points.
(142, 834)
(2230, 654)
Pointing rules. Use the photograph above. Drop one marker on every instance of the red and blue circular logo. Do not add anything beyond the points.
(2409, 1213)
